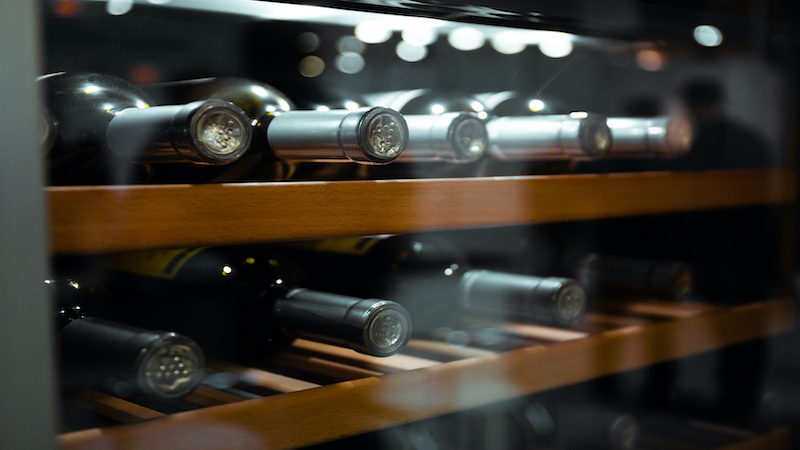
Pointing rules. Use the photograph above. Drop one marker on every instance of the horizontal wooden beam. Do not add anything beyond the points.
(115, 218)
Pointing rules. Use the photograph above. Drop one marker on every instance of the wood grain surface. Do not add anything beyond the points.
(352, 407)
(115, 218)
(777, 439)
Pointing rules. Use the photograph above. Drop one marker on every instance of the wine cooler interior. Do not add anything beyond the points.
(400, 225)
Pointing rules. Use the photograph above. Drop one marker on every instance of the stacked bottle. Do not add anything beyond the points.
(121, 358)
(244, 303)
(434, 281)
(285, 137)
(108, 130)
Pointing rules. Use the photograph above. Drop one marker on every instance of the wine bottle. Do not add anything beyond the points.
(107, 121)
(660, 136)
(559, 250)
(443, 126)
(666, 279)
(578, 425)
(242, 303)
(119, 357)
(551, 421)
(363, 136)
(434, 281)
(574, 136)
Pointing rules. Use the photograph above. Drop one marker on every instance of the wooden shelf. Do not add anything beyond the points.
(428, 380)
(106, 219)
(688, 434)
(777, 439)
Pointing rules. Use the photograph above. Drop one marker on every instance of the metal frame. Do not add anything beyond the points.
(27, 394)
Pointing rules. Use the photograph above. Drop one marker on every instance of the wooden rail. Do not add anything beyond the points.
(106, 219)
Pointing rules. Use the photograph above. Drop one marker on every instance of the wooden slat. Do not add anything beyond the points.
(654, 308)
(105, 219)
(269, 380)
(353, 407)
(447, 350)
(113, 407)
(542, 333)
(387, 364)
(205, 396)
(777, 439)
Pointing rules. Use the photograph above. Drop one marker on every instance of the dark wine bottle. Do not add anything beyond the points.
(666, 279)
(115, 356)
(107, 121)
(579, 425)
(255, 98)
(576, 425)
(242, 303)
(434, 281)
(558, 250)
(371, 136)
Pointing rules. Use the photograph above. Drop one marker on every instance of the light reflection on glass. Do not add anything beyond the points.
(226, 270)
(323, 108)
(555, 44)
(466, 38)
(508, 42)
(579, 114)
(91, 89)
(311, 66)
(373, 32)
(616, 122)
(708, 36)
(437, 109)
(483, 115)
(66, 8)
(411, 53)
(536, 105)
(350, 44)
(119, 7)
(350, 62)
(650, 60)
(351, 105)
(477, 106)
(307, 42)
(419, 36)
(258, 90)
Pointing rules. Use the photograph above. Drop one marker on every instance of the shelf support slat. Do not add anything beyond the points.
(116, 218)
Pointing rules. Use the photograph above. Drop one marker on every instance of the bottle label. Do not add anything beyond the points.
(347, 246)
(157, 263)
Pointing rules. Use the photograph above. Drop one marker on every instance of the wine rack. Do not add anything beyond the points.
(428, 379)
(313, 393)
